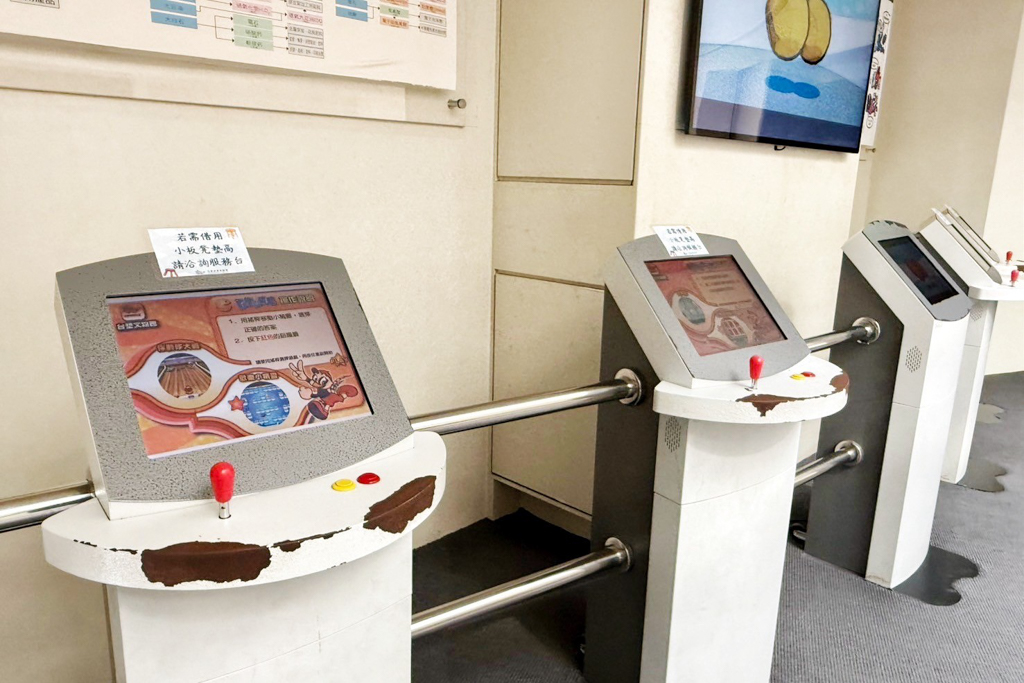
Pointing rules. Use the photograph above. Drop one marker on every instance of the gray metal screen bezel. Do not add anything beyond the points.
(127, 473)
(953, 308)
(978, 243)
(720, 366)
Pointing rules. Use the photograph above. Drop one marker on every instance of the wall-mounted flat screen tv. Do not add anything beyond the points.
(786, 72)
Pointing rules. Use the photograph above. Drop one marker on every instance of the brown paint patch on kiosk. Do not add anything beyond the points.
(220, 562)
(765, 402)
(394, 513)
(840, 383)
(291, 546)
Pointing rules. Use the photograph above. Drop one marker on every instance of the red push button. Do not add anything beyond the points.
(368, 478)
(807, 374)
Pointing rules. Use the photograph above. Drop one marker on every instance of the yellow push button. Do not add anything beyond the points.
(344, 485)
(797, 377)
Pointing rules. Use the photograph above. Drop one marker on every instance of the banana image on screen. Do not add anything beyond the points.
(799, 28)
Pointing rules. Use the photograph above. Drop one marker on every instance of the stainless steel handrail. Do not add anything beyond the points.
(614, 554)
(626, 387)
(863, 330)
(846, 453)
(25, 511)
(31, 509)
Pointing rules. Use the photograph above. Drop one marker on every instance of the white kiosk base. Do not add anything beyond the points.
(723, 489)
(985, 292)
(304, 583)
(347, 623)
(718, 544)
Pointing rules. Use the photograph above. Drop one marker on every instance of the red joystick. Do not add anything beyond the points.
(222, 479)
(1009, 257)
(756, 366)
(1014, 276)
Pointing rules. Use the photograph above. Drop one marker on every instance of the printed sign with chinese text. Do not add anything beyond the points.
(185, 252)
(680, 240)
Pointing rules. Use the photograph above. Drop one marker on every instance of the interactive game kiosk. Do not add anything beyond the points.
(268, 386)
(876, 519)
(987, 279)
(699, 484)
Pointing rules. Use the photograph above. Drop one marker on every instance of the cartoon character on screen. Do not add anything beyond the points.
(321, 390)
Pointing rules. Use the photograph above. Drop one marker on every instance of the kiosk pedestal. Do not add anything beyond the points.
(876, 519)
(697, 480)
(305, 580)
(972, 262)
(723, 489)
(351, 621)
(271, 380)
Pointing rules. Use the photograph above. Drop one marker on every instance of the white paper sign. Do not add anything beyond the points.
(680, 240)
(185, 252)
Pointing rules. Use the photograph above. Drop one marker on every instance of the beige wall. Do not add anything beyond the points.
(941, 129)
(790, 209)
(1004, 225)
(568, 79)
(796, 203)
(407, 206)
(945, 90)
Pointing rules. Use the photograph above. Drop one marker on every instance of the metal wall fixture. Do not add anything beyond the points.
(615, 555)
(32, 509)
(863, 330)
(847, 453)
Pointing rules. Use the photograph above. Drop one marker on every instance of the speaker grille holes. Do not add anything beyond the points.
(673, 434)
(913, 360)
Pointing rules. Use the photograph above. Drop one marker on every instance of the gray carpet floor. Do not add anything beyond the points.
(868, 633)
(833, 626)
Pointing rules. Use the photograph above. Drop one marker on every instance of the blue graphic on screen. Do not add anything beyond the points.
(265, 404)
(786, 71)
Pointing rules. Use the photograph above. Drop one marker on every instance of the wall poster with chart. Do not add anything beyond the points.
(401, 41)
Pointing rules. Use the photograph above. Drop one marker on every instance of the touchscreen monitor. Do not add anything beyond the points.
(715, 303)
(921, 271)
(207, 367)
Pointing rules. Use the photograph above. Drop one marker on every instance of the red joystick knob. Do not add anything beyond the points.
(1009, 257)
(756, 366)
(1014, 276)
(222, 479)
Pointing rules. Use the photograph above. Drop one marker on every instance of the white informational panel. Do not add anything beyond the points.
(403, 41)
(874, 97)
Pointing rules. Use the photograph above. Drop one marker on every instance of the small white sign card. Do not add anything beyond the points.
(680, 240)
(186, 252)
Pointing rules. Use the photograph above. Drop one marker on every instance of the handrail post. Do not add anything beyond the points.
(626, 387)
(864, 331)
(614, 554)
(847, 453)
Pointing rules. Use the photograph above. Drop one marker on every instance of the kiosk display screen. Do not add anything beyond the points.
(921, 271)
(715, 303)
(207, 367)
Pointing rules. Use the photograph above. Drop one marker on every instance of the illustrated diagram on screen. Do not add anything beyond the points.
(715, 304)
(206, 367)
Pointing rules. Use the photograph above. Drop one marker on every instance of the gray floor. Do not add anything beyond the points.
(833, 626)
(872, 634)
(537, 642)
